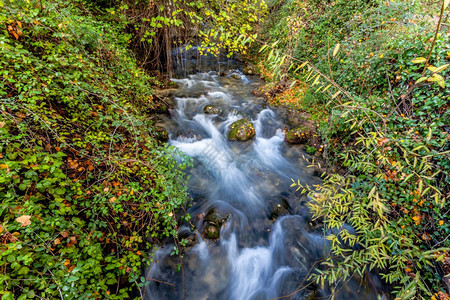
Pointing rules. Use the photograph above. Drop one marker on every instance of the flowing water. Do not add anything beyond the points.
(266, 247)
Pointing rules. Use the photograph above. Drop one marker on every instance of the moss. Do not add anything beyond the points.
(241, 130)
(298, 135)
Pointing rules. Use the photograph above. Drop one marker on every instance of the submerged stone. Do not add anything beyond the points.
(241, 130)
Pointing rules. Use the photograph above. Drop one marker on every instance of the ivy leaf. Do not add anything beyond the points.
(24, 220)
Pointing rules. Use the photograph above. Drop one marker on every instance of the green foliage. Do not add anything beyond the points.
(85, 188)
(367, 67)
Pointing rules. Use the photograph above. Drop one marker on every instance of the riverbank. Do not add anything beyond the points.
(87, 186)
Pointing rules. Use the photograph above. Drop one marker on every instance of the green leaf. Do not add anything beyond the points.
(24, 270)
(8, 296)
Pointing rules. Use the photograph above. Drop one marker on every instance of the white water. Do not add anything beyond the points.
(255, 256)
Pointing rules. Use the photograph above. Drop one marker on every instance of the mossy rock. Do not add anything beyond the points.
(211, 232)
(249, 69)
(212, 109)
(214, 219)
(298, 135)
(241, 130)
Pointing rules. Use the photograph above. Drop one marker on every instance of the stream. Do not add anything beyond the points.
(254, 238)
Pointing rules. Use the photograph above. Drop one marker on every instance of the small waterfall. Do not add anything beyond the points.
(239, 193)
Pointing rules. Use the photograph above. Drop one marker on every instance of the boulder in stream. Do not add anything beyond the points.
(278, 206)
(241, 130)
(212, 109)
(214, 220)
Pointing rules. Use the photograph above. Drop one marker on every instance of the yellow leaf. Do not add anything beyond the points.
(419, 60)
(170, 214)
(24, 220)
(335, 95)
(336, 49)
(316, 80)
(441, 68)
(421, 79)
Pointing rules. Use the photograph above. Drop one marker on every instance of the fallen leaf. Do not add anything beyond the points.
(24, 220)
(57, 241)
(2, 124)
(73, 240)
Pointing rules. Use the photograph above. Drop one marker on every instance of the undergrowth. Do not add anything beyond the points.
(86, 189)
(375, 76)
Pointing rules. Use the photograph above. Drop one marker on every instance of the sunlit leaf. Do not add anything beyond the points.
(419, 60)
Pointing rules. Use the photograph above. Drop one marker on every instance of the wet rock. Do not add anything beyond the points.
(235, 76)
(214, 220)
(279, 206)
(237, 112)
(241, 130)
(249, 69)
(211, 232)
(298, 135)
(212, 109)
(215, 216)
